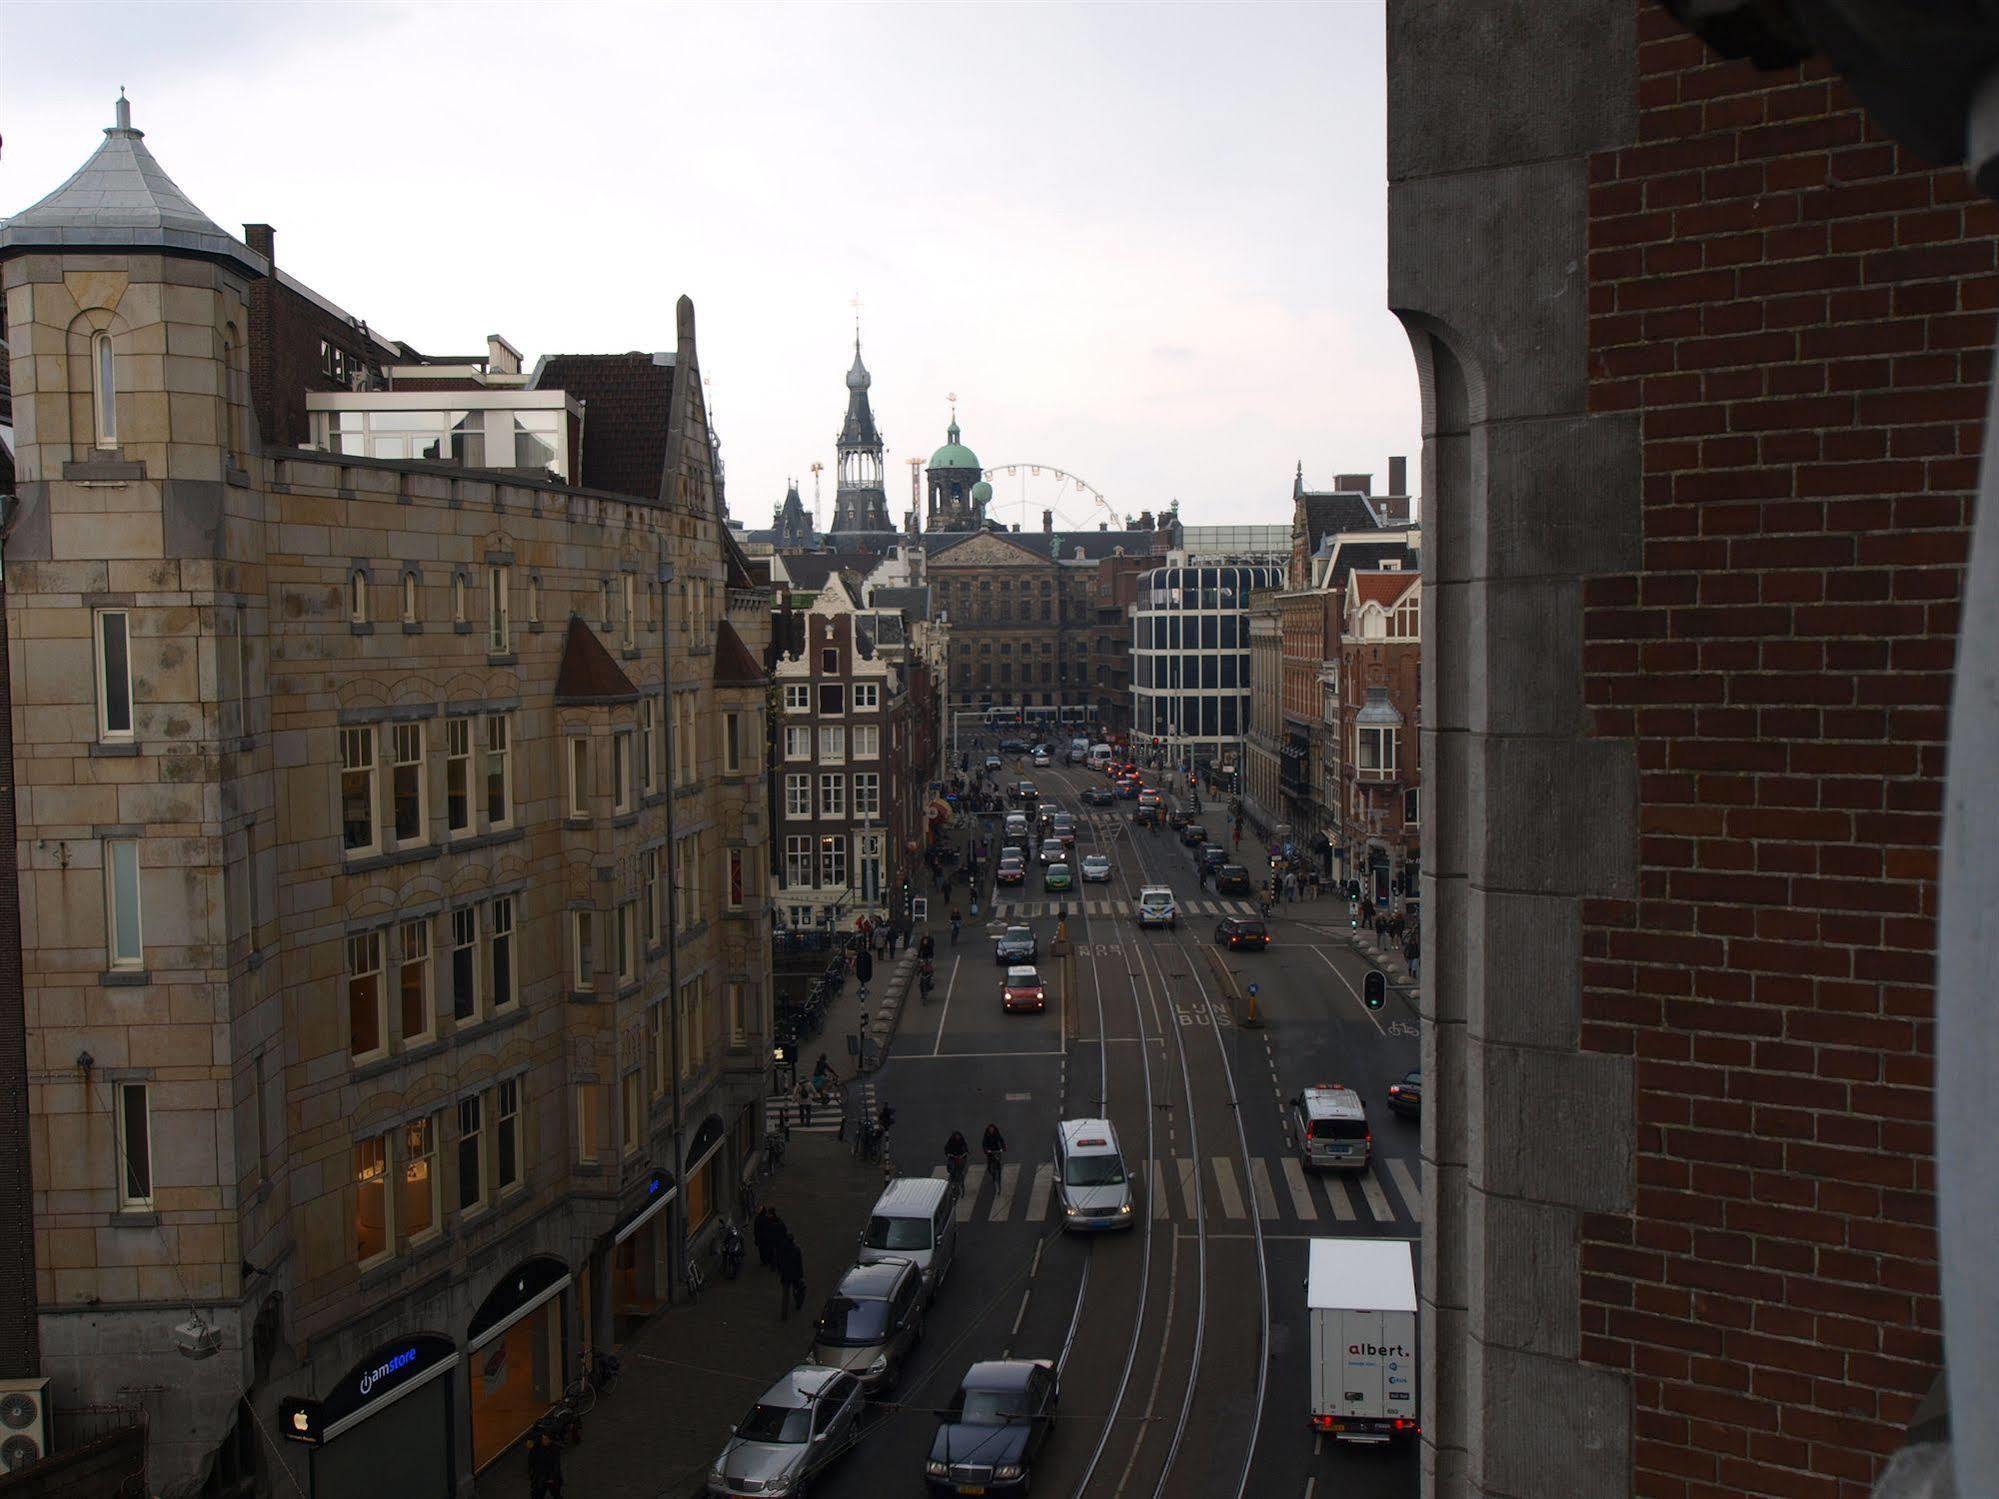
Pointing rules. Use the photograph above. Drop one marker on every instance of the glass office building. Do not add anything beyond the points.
(1190, 659)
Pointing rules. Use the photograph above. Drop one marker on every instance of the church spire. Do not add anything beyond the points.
(860, 502)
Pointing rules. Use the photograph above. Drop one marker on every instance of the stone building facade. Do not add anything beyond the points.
(1700, 455)
(1377, 822)
(391, 842)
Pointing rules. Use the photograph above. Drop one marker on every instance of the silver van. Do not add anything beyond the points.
(912, 1220)
(1092, 1186)
(871, 1322)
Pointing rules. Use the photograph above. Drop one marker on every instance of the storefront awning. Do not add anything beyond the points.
(527, 1287)
(661, 1189)
(369, 1388)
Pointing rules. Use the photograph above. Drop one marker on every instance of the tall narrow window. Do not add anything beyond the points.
(471, 1154)
(735, 894)
(413, 981)
(408, 783)
(631, 620)
(646, 713)
(366, 1028)
(604, 603)
(656, 1046)
(464, 963)
(104, 390)
(738, 1019)
(114, 674)
(357, 596)
(135, 1146)
(589, 1121)
(458, 775)
(507, 1140)
(732, 744)
(628, 942)
(500, 951)
(633, 1084)
(357, 790)
(649, 895)
(534, 598)
(584, 952)
(243, 670)
(579, 778)
(458, 598)
(621, 771)
(499, 774)
(419, 1204)
(126, 943)
(372, 1240)
(409, 598)
(499, 619)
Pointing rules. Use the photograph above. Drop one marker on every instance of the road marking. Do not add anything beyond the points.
(959, 1056)
(1037, 1195)
(1348, 983)
(950, 986)
(1009, 1182)
(1187, 1184)
(1225, 1187)
(1377, 1200)
(1405, 1183)
(1336, 1191)
(1160, 1206)
(1259, 1182)
(968, 1200)
(1300, 1190)
(1021, 1315)
(1018, 1097)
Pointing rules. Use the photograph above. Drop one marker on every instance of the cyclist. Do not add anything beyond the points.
(994, 1145)
(926, 949)
(957, 919)
(955, 1152)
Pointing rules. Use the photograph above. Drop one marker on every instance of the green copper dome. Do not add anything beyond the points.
(954, 454)
(982, 492)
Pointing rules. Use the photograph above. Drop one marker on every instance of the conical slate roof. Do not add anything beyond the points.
(858, 431)
(120, 199)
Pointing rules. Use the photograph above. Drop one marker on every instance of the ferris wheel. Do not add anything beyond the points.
(1021, 491)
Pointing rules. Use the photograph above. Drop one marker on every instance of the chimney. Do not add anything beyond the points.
(1047, 521)
(262, 238)
(1398, 476)
(502, 358)
(1354, 483)
(1103, 525)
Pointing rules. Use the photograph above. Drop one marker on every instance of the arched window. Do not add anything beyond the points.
(409, 599)
(104, 389)
(357, 596)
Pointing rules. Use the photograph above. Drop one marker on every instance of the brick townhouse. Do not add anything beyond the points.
(391, 847)
(1704, 355)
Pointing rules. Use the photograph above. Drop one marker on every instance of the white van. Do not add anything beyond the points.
(1157, 907)
(1079, 751)
(1332, 1127)
(1100, 756)
(912, 1220)
(1092, 1187)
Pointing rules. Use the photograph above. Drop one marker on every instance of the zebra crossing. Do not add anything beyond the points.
(1005, 909)
(783, 1111)
(1386, 1193)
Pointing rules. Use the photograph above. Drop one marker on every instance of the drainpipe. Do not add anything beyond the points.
(671, 863)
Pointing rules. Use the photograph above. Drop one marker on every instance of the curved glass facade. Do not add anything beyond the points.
(1190, 657)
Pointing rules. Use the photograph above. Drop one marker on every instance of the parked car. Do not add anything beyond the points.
(1192, 834)
(1232, 879)
(1406, 1097)
(995, 1426)
(1058, 876)
(872, 1321)
(1238, 932)
(794, 1432)
(1017, 945)
(1022, 989)
(1096, 869)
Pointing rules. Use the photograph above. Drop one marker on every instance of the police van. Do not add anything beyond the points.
(1092, 1186)
(1332, 1127)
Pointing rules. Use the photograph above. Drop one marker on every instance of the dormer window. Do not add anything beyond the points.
(104, 390)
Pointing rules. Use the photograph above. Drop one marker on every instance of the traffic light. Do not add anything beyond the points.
(864, 966)
(1374, 991)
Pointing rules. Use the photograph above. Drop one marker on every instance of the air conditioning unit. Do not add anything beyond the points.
(24, 1423)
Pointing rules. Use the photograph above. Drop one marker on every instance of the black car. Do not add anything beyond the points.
(1193, 833)
(1175, 818)
(1406, 1097)
(1013, 746)
(1238, 932)
(1016, 946)
(1098, 796)
(1213, 856)
(988, 1436)
(1231, 879)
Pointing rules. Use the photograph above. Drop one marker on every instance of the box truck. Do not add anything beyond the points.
(1361, 1300)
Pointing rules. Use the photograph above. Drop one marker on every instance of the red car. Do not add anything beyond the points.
(1011, 873)
(1022, 990)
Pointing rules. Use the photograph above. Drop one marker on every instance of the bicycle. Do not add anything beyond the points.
(692, 1278)
(598, 1377)
(995, 1161)
(773, 1150)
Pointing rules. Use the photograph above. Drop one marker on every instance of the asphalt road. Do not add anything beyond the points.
(1161, 1331)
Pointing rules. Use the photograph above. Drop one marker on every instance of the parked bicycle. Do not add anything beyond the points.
(598, 1377)
(692, 1278)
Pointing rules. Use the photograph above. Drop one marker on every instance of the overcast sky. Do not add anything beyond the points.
(1144, 244)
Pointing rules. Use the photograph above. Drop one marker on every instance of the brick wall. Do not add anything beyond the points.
(1801, 313)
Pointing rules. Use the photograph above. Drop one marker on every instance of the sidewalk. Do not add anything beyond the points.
(1332, 911)
(695, 1369)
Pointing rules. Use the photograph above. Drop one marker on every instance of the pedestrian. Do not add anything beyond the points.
(791, 1278)
(544, 1468)
(805, 1105)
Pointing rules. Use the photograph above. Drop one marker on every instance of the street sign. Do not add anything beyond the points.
(1252, 991)
(1374, 991)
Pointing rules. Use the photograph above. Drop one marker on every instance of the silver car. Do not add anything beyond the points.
(1096, 868)
(798, 1427)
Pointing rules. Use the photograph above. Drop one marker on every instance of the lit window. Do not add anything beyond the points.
(833, 860)
(420, 1183)
(135, 1146)
(123, 926)
(409, 786)
(372, 1239)
(366, 1023)
(499, 774)
(509, 1143)
(499, 619)
(104, 390)
(114, 674)
(584, 971)
(500, 951)
(413, 980)
(464, 963)
(458, 775)
(357, 790)
(471, 1154)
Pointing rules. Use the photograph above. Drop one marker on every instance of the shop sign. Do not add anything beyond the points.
(378, 1378)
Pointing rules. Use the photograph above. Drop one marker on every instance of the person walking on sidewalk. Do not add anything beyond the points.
(790, 1278)
(544, 1468)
